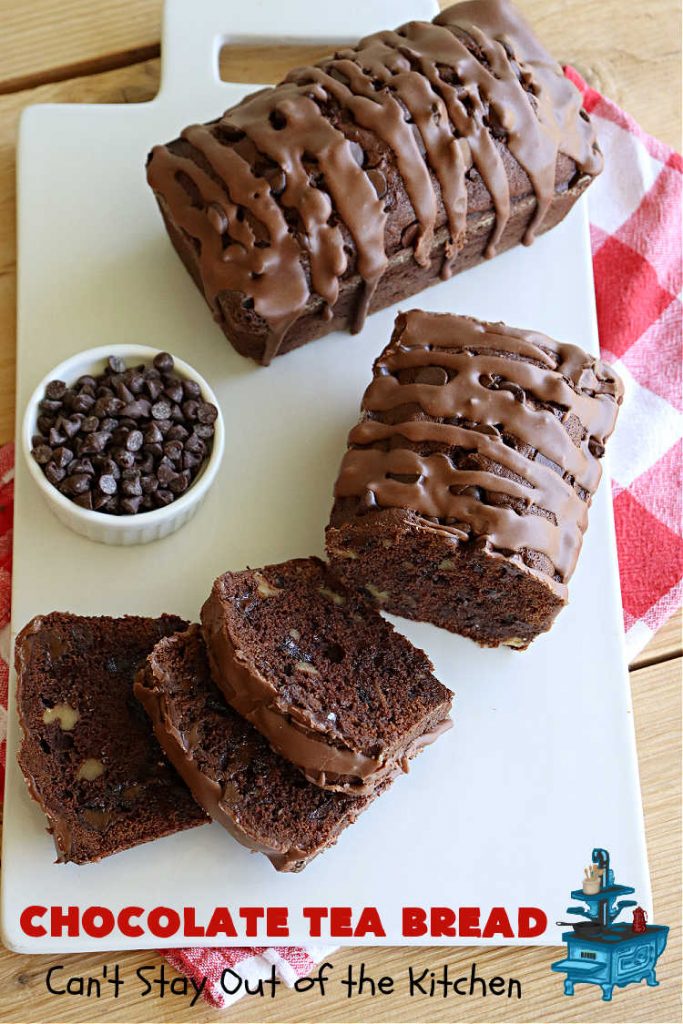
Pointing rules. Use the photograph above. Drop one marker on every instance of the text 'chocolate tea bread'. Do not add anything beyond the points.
(261, 799)
(331, 685)
(464, 495)
(362, 180)
(88, 752)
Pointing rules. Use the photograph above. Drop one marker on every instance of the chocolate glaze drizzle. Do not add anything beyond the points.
(492, 432)
(443, 99)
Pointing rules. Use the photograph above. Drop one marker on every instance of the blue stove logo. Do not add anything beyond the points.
(600, 951)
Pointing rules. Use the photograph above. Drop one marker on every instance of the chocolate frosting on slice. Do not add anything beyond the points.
(535, 414)
(222, 758)
(324, 759)
(444, 98)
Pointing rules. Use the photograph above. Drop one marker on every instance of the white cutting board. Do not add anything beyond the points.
(541, 765)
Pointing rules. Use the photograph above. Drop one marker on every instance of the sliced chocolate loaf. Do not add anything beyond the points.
(386, 167)
(262, 800)
(331, 685)
(464, 495)
(88, 752)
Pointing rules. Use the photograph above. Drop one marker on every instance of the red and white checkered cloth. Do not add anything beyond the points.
(635, 216)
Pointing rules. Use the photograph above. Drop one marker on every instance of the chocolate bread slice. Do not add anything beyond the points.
(262, 800)
(331, 685)
(88, 753)
(464, 495)
(381, 170)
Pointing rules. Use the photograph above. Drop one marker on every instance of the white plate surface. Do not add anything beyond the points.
(541, 765)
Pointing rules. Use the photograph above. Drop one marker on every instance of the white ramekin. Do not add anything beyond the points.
(142, 527)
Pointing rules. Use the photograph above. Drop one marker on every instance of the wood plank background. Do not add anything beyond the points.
(106, 51)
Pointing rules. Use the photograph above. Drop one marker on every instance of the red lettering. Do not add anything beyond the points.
(155, 922)
(442, 922)
(531, 922)
(59, 919)
(251, 915)
(340, 922)
(90, 918)
(414, 922)
(221, 924)
(35, 931)
(315, 916)
(469, 922)
(191, 929)
(498, 923)
(277, 925)
(370, 922)
(131, 931)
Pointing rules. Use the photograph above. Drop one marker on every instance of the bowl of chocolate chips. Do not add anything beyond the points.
(124, 441)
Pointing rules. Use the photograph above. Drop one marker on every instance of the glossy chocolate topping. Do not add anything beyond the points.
(447, 386)
(443, 97)
(319, 750)
(221, 759)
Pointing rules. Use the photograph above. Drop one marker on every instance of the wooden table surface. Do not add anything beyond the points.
(106, 51)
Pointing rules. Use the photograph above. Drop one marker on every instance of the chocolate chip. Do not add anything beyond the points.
(77, 483)
(153, 435)
(174, 391)
(149, 484)
(62, 457)
(44, 423)
(192, 389)
(96, 442)
(190, 461)
(154, 388)
(177, 433)
(49, 405)
(173, 450)
(84, 500)
(180, 482)
(83, 403)
(55, 389)
(82, 466)
(129, 506)
(431, 375)
(89, 423)
(190, 409)
(162, 498)
(71, 426)
(164, 362)
(165, 472)
(134, 441)
(116, 364)
(136, 410)
(107, 484)
(55, 474)
(207, 413)
(55, 438)
(42, 454)
(123, 458)
(131, 488)
(161, 410)
(204, 430)
(195, 445)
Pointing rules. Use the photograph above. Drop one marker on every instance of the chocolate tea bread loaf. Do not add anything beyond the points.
(331, 685)
(261, 799)
(464, 495)
(88, 752)
(382, 169)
